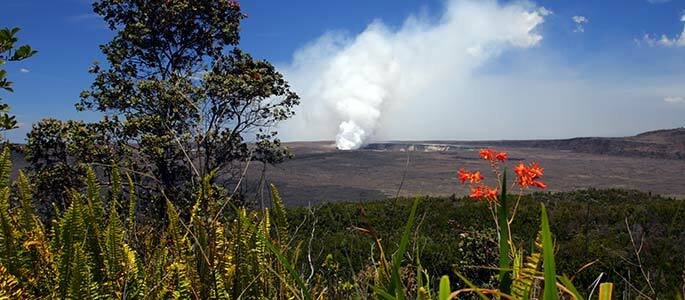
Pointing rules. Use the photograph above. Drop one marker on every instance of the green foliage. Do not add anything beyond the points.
(90, 253)
(504, 238)
(525, 271)
(57, 153)
(550, 292)
(10, 52)
(181, 97)
(445, 289)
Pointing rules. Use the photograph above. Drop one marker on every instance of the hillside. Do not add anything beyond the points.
(666, 144)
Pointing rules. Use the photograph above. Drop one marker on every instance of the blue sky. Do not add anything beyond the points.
(608, 51)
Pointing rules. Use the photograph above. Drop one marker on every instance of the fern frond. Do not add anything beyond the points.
(5, 167)
(280, 217)
(526, 270)
(8, 234)
(113, 246)
(9, 286)
(28, 214)
(131, 220)
(81, 283)
(115, 186)
(93, 197)
(70, 231)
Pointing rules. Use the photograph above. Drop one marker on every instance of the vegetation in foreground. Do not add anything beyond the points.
(180, 100)
(100, 247)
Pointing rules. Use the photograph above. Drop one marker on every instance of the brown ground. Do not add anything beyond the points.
(320, 173)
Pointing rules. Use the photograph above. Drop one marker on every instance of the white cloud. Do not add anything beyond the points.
(545, 11)
(580, 23)
(658, 1)
(480, 71)
(664, 40)
(24, 70)
(351, 85)
(675, 99)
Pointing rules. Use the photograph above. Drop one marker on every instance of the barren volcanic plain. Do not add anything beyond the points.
(652, 162)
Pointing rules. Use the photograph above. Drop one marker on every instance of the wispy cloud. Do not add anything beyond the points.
(664, 40)
(24, 70)
(675, 99)
(580, 23)
(658, 1)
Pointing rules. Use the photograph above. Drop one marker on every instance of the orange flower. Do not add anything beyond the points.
(463, 175)
(520, 169)
(476, 177)
(501, 156)
(529, 175)
(487, 154)
(539, 184)
(483, 192)
(491, 193)
(536, 169)
(477, 192)
(472, 177)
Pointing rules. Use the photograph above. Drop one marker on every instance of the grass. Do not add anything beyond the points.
(458, 235)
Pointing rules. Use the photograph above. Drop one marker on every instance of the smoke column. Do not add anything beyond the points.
(348, 84)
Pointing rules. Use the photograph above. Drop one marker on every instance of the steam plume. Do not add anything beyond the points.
(349, 85)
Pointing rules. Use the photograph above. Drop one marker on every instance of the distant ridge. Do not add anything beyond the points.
(662, 143)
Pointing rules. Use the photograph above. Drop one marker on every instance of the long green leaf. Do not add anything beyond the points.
(569, 285)
(382, 293)
(550, 275)
(605, 290)
(472, 286)
(445, 290)
(504, 247)
(396, 284)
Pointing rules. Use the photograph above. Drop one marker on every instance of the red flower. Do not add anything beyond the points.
(491, 193)
(483, 192)
(487, 154)
(501, 156)
(536, 169)
(463, 175)
(529, 175)
(477, 192)
(472, 177)
(520, 169)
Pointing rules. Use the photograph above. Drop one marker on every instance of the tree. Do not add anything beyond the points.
(189, 101)
(9, 52)
(58, 152)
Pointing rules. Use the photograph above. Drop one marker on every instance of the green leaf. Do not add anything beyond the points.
(550, 275)
(471, 285)
(396, 283)
(382, 293)
(445, 290)
(605, 290)
(569, 285)
(504, 247)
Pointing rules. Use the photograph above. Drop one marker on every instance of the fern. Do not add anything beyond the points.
(28, 214)
(70, 232)
(93, 197)
(5, 167)
(7, 233)
(113, 251)
(131, 219)
(81, 284)
(9, 286)
(115, 185)
(526, 270)
(280, 218)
